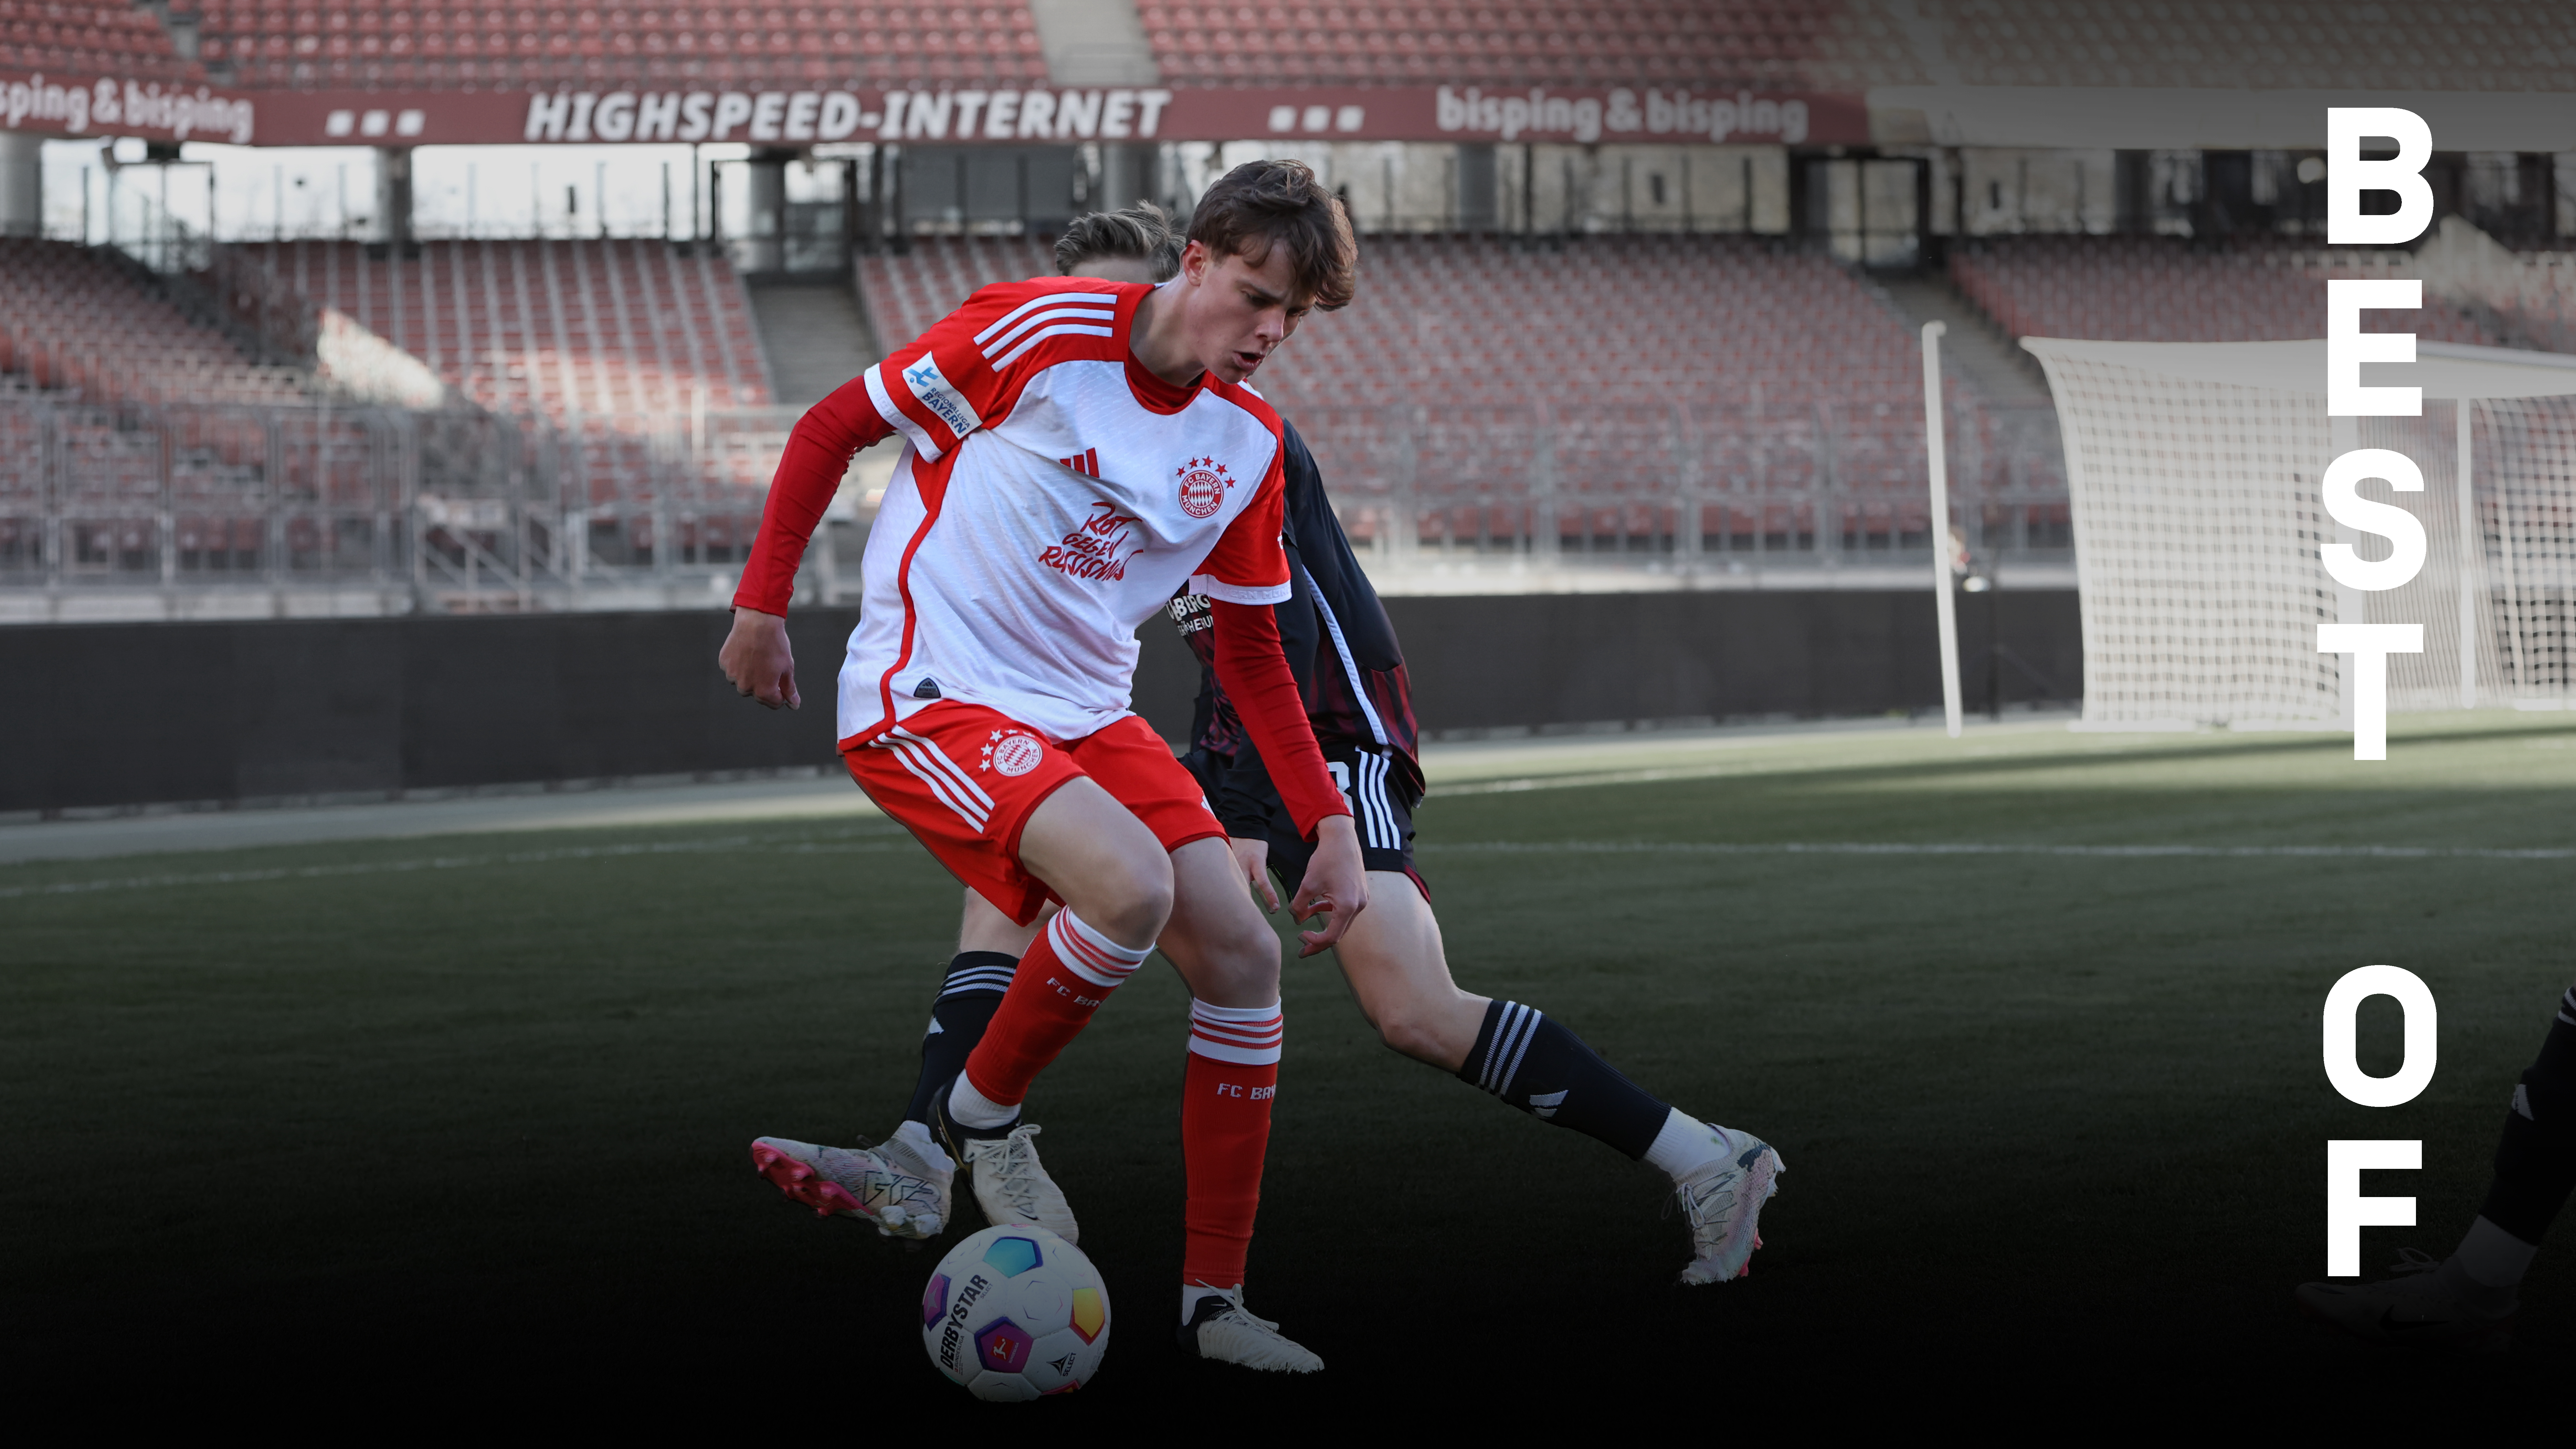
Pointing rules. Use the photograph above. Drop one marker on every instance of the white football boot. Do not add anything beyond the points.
(1224, 1330)
(2425, 1308)
(914, 1152)
(1012, 1187)
(1723, 1202)
(853, 1182)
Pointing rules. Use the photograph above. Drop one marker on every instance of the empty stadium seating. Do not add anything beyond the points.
(79, 321)
(444, 44)
(905, 294)
(1848, 46)
(619, 344)
(1612, 355)
(562, 328)
(1546, 42)
(2160, 289)
(89, 37)
(2409, 45)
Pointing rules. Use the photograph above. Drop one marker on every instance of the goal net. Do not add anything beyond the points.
(2193, 473)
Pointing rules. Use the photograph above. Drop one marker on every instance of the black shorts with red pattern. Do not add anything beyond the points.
(1381, 799)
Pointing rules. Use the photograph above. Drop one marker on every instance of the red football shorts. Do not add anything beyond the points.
(963, 779)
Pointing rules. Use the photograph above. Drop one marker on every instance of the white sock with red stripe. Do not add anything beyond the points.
(1225, 1133)
(1069, 970)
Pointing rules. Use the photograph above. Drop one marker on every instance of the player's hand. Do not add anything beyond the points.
(1252, 857)
(756, 658)
(1335, 887)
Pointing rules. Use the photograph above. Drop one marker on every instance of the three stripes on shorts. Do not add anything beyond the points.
(1379, 827)
(945, 778)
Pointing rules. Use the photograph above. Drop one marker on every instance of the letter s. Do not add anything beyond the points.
(2401, 528)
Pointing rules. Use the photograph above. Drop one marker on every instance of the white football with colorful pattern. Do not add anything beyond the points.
(1014, 1313)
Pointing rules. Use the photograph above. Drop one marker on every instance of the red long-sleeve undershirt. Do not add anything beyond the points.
(809, 472)
(1255, 675)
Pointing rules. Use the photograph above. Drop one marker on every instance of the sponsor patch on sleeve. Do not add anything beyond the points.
(933, 390)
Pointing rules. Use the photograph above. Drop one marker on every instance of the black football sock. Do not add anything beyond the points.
(967, 1000)
(1534, 1064)
(2535, 1167)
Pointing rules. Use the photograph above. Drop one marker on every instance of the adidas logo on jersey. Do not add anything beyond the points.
(1086, 462)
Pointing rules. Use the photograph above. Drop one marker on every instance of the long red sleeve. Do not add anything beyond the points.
(809, 473)
(1255, 675)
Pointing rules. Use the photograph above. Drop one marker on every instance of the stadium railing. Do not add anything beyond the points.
(217, 510)
(379, 509)
(1815, 487)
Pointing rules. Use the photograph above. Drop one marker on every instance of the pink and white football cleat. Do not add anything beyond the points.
(855, 1183)
(1723, 1202)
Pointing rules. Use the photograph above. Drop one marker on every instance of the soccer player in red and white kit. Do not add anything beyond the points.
(1076, 452)
(1358, 697)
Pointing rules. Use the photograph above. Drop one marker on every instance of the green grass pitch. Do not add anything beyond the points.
(478, 1107)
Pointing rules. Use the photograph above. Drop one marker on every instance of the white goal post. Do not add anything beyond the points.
(2193, 478)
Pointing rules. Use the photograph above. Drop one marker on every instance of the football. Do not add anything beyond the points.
(1015, 1312)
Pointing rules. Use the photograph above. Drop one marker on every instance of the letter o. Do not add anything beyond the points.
(2343, 1005)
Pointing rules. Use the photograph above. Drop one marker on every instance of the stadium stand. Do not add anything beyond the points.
(2160, 289)
(560, 328)
(438, 45)
(2410, 45)
(906, 293)
(1858, 44)
(1852, 45)
(1625, 320)
(108, 37)
(616, 344)
(78, 321)
(2538, 305)
(1783, 364)
(1554, 42)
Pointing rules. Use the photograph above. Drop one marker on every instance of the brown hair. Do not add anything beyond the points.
(1142, 232)
(1262, 204)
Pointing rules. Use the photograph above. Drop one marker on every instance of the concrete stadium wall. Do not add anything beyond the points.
(130, 714)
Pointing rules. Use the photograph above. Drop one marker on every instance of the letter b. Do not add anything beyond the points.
(2348, 176)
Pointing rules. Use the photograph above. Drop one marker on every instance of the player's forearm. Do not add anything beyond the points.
(818, 452)
(1255, 675)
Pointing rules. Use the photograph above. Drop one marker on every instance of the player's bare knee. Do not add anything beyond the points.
(1134, 906)
(1243, 968)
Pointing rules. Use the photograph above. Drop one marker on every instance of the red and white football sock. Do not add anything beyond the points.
(1225, 1132)
(1069, 970)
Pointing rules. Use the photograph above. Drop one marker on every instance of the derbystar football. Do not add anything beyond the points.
(1015, 1312)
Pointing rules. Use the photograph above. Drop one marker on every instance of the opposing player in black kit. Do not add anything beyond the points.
(1350, 669)
(1351, 672)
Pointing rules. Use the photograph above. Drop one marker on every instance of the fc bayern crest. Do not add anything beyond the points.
(1203, 485)
(1013, 752)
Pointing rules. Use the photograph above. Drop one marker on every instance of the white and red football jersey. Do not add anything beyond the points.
(1052, 497)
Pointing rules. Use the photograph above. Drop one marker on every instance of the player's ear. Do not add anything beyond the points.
(1195, 261)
